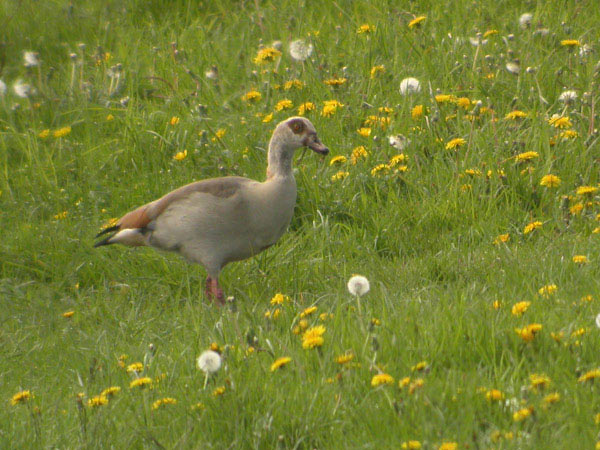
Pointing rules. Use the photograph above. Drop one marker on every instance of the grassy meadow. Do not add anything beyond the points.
(476, 224)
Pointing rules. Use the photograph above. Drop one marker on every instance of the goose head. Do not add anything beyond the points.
(297, 132)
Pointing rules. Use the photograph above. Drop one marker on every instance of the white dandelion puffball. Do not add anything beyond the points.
(598, 320)
(209, 361)
(513, 67)
(409, 86)
(399, 141)
(22, 89)
(358, 285)
(568, 97)
(2, 88)
(300, 50)
(525, 20)
(32, 59)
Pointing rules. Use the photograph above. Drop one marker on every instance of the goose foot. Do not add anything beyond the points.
(213, 291)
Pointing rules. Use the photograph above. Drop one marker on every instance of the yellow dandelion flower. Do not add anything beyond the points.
(365, 29)
(267, 118)
(218, 391)
(570, 43)
(61, 216)
(522, 414)
(62, 132)
(180, 156)
(489, 33)
(336, 81)
(494, 395)
(532, 226)
(44, 133)
(252, 96)
(417, 111)
(597, 419)
(97, 400)
(528, 332)
(400, 158)
(283, 104)
(416, 384)
(463, 102)
(110, 118)
(444, 98)
(380, 169)
(308, 311)
(68, 314)
(589, 376)
(550, 181)
(111, 391)
(342, 174)
(576, 209)
(496, 304)
(420, 366)
(526, 156)
(340, 159)
(455, 143)
(358, 153)
(586, 190)
(135, 367)
(174, 120)
(265, 55)
(519, 308)
(552, 398)
(448, 446)
(376, 70)
(516, 114)
(560, 122)
(293, 84)
(416, 22)
(364, 131)
(344, 359)
(21, 397)
(402, 383)
(141, 383)
(385, 109)
(305, 107)
(501, 239)
(410, 445)
(312, 342)
(279, 299)
(548, 290)
(163, 401)
(280, 362)
(580, 259)
(539, 381)
(381, 378)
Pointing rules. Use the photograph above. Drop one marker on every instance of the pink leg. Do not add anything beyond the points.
(207, 287)
(217, 292)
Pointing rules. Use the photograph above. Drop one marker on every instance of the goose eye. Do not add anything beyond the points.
(297, 126)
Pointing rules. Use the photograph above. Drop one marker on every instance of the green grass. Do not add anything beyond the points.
(424, 238)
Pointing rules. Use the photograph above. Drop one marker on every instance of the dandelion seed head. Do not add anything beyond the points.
(399, 142)
(31, 59)
(358, 285)
(513, 67)
(300, 50)
(209, 361)
(22, 89)
(525, 20)
(409, 86)
(568, 97)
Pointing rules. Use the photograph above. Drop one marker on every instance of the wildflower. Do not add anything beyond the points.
(560, 121)
(494, 395)
(580, 259)
(496, 304)
(278, 299)
(31, 59)
(398, 159)
(528, 333)
(313, 337)
(444, 98)
(305, 107)
(340, 159)
(416, 22)
(418, 383)
(344, 359)
(141, 383)
(44, 133)
(548, 290)
(97, 400)
(209, 361)
(252, 96)
(110, 391)
(358, 285)
(420, 366)
(22, 89)
(525, 20)
(519, 308)
(455, 143)
(21, 397)
(378, 169)
(364, 132)
(550, 181)
(308, 311)
(526, 156)
(68, 314)
(417, 112)
(174, 121)
(359, 152)
(336, 81)
(62, 132)
(568, 134)
(463, 102)
(280, 362)
(365, 29)
(516, 114)
(283, 104)
(411, 445)
(163, 401)
(570, 43)
(219, 134)
(180, 156)
(339, 175)
(135, 367)
(551, 398)
(330, 107)
(381, 378)
(448, 446)
(267, 118)
(501, 239)
(532, 226)
(589, 376)
(300, 50)
(539, 381)
(267, 54)
(376, 70)
(399, 142)
(568, 97)
(522, 414)
(513, 67)
(218, 391)
(586, 190)
(576, 208)
(489, 33)
(293, 83)
(409, 86)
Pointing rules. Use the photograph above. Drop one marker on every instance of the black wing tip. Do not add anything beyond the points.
(108, 230)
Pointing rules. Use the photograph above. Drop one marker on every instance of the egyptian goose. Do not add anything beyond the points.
(216, 221)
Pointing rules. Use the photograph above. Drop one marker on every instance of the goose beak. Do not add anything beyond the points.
(317, 146)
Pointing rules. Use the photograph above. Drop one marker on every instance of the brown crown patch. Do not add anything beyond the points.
(297, 126)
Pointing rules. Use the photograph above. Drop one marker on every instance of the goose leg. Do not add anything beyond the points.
(217, 292)
(207, 287)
